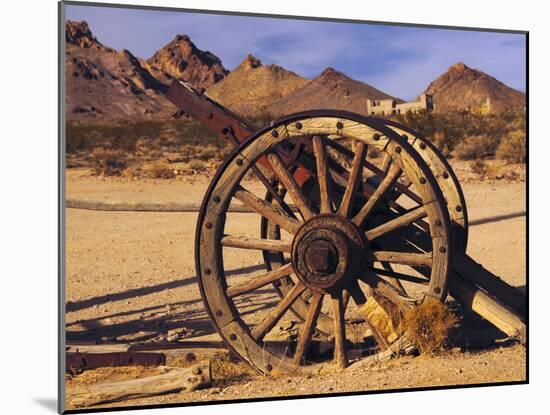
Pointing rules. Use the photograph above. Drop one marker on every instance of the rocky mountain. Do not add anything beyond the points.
(251, 87)
(105, 85)
(330, 90)
(181, 59)
(464, 88)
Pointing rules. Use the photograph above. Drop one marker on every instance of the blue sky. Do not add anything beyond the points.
(398, 60)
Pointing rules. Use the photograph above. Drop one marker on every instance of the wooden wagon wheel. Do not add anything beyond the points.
(448, 183)
(333, 243)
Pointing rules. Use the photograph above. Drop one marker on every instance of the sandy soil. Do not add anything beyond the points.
(131, 277)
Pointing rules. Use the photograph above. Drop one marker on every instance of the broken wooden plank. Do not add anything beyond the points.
(470, 270)
(502, 317)
(175, 380)
(84, 361)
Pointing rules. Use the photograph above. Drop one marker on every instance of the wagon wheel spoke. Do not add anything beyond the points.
(385, 185)
(309, 324)
(322, 175)
(355, 177)
(395, 282)
(379, 172)
(275, 315)
(256, 243)
(403, 258)
(267, 210)
(260, 281)
(340, 355)
(396, 275)
(398, 222)
(291, 186)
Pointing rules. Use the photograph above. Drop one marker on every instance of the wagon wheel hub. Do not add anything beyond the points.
(326, 252)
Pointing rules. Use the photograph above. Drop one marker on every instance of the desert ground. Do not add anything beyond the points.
(131, 278)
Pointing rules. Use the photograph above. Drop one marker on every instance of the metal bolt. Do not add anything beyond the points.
(458, 208)
(422, 146)
(207, 271)
(398, 149)
(239, 162)
(225, 130)
(422, 180)
(268, 367)
(208, 225)
(445, 175)
(438, 222)
(299, 125)
(339, 125)
(437, 290)
(442, 249)
(233, 336)
(275, 133)
(216, 199)
(219, 313)
(376, 137)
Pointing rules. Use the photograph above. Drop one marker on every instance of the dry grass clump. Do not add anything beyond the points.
(476, 147)
(197, 165)
(225, 372)
(428, 325)
(479, 167)
(513, 147)
(160, 170)
(108, 162)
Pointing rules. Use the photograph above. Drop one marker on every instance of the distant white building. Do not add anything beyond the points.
(391, 107)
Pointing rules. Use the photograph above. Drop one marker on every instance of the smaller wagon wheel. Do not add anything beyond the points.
(331, 243)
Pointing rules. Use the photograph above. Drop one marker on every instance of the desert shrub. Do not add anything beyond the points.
(428, 325)
(197, 165)
(479, 167)
(513, 147)
(109, 162)
(160, 170)
(451, 129)
(476, 147)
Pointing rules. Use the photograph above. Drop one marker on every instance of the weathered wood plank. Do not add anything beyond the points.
(175, 380)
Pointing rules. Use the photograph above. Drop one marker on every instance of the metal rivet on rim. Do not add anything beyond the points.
(233, 336)
(437, 290)
(216, 199)
(442, 249)
(445, 175)
(376, 137)
(422, 180)
(422, 146)
(339, 125)
(275, 133)
(299, 125)
(207, 271)
(398, 149)
(208, 225)
(438, 222)
(219, 313)
(458, 208)
(239, 162)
